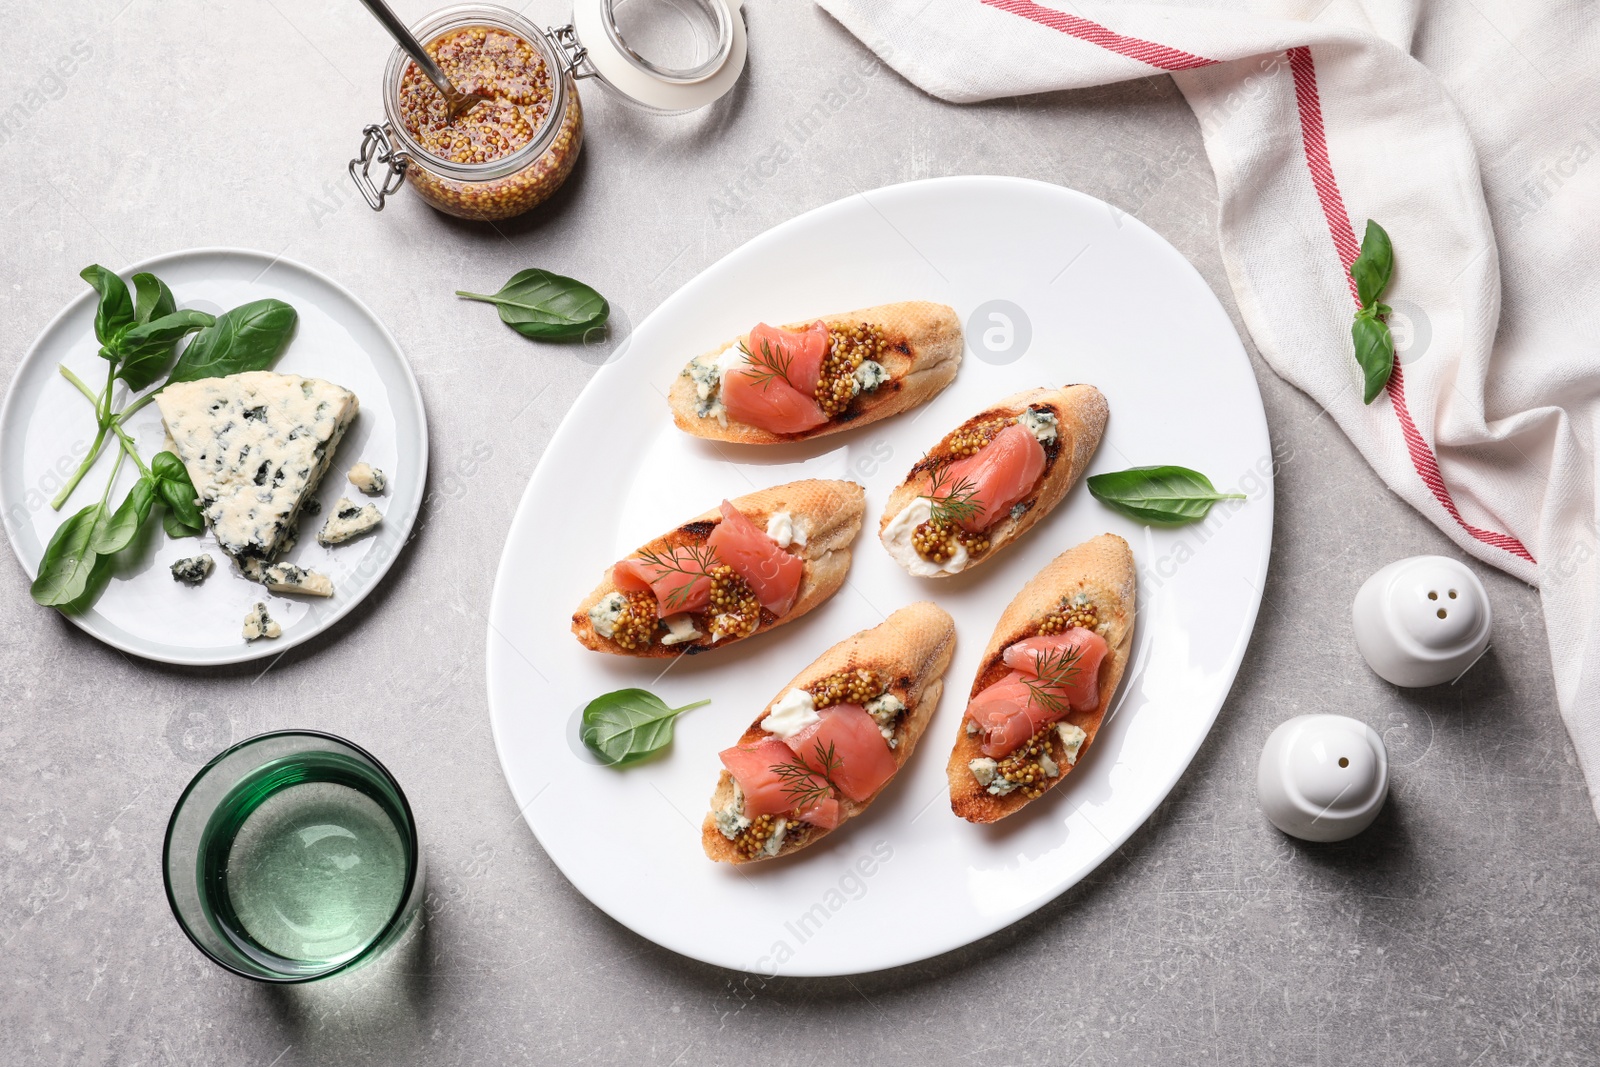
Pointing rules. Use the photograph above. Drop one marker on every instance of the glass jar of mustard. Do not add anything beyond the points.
(516, 147)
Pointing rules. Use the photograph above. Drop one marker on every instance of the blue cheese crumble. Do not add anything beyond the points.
(194, 569)
(1041, 423)
(367, 478)
(603, 616)
(286, 578)
(258, 624)
(987, 772)
(731, 820)
(885, 711)
(348, 520)
(869, 375)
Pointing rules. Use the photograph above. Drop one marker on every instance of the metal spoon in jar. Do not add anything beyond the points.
(456, 102)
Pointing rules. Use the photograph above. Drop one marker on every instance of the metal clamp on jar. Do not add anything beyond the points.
(515, 147)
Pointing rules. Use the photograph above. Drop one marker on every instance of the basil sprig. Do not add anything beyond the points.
(547, 307)
(138, 333)
(1372, 270)
(1158, 496)
(628, 725)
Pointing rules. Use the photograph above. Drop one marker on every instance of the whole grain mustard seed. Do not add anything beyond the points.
(636, 623)
(734, 609)
(846, 687)
(513, 74)
(968, 440)
(753, 838)
(851, 347)
(937, 540)
(1023, 767)
(1072, 611)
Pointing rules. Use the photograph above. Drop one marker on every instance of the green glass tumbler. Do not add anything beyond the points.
(293, 856)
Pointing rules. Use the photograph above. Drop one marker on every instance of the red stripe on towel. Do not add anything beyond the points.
(1344, 242)
(1156, 55)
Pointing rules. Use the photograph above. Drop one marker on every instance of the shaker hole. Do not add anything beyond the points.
(1452, 594)
(1344, 761)
(1442, 613)
(1433, 594)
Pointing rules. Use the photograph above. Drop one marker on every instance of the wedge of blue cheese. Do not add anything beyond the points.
(258, 624)
(286, 578)
(255, 445)
(348, 520)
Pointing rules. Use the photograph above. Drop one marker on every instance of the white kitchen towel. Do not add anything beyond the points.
(1470, 130)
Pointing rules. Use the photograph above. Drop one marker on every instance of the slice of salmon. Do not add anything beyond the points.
(824, 813)
(1014, 709)
(800, 352)
(766, 792)
(1000, 474)
(756, 396)
(1071, 658)
(638, 576)
(846, 745)
(773, 573)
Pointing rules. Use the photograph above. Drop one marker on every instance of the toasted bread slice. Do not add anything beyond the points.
(1102, 570)
(923, 345)
(830, 512)
(1080, 412)
(911, 649)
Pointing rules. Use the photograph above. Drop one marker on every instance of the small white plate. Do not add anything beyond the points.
(46, 427)
(1101, 299)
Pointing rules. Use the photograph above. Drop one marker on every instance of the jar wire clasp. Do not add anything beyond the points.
(574, 56)
(376, 147)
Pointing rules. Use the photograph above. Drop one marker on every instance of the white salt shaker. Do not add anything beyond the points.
(1323, 777)
(1422, 621)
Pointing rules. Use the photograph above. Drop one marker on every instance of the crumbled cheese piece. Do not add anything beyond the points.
(1048, 765)
(896, 538)
(259, 624)
(792, 712)
(193, 570)
(775, 842)
(368, 479)
(868, 376)
(987, 772)
(731, 820)
(972, 728)
(348, 520)
(286, 578)
(603, 616)
(680, 629)
(785, 529)
(706, 373)
(1042, 424)
(885, 709)
(1072, 739)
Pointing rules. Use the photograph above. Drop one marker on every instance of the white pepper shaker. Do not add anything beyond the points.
(1323, 777)
(1422, 621)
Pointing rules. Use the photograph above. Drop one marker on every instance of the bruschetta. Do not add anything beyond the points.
(831, 740)
(1045, 681)
(808, 379)
(990, 479)
(742, 568)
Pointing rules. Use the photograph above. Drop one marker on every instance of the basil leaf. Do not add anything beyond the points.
(153, 300)
(1374, 351)
(1158, 496)
(250, 337)
(627, 725)
(1374, 266)
(177, 492)
(118, 531)
(69, 558)
(169, 467)
(145, 348)
(176, 527)
(116, 306)
(547, 306)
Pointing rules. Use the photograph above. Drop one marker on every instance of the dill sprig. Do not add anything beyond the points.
(804, 786)
(1055, 668)
(768, 366)
(697, 564)
(951, 504)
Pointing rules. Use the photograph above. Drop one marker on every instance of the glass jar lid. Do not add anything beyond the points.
(667, 56)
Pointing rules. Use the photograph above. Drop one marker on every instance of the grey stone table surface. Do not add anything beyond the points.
(1461, 929)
